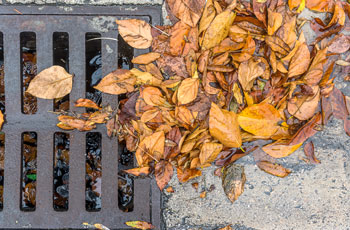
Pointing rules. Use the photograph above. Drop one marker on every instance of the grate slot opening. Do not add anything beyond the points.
(61, 171)
(61, 58)
(29, 171)
(2, 75)
(93, 171)
(29, 70)
(2, 162)
(93, 48)
(125, 158)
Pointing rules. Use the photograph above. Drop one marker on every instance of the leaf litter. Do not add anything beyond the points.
(225, 74)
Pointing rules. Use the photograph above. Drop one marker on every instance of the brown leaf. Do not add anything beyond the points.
(143, 171)
(139, 224)
(218, 29)
(300, 61)
(163, 172)
(187, 91)
(338, 103)
(98, 117)
(145, 59)
(248, 71)
(154, 97)
(170, 189)
(273, 169)
(223, 125)
(315, 72)
(339, 44)
(137, 33)
(260, 119)
(188, 11)
(233, 181)
(277, 44)
(87, 103)
(209, 152)
(187, 174)
(308, 130)
(117, 82)
(177, 38)
(53, 82)
(310, 153)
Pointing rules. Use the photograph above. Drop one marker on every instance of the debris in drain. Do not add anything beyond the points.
(226, 75)
(2, 162)
(29, 167)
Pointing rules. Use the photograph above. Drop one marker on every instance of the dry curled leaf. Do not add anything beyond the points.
(143, 171)
(53, 82)
(273, 169)
(87, 103)
(223, 125)
(137, 33)
(310, 153)
(188, 11)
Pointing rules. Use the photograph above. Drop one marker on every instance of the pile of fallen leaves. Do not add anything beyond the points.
(226, 74)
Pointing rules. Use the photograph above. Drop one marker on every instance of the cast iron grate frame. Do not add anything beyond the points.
(76, 21)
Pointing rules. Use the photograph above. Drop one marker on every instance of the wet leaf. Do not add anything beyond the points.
(310, 153)
(53, 82)
(233, 181)
(218, 29)
(223, 125)
(117, 82)
(273, 169)
(143, 171)
(187, 91)
(139, 224)
(260, 119)
(137, 33)
(163, 173)
(145, 59)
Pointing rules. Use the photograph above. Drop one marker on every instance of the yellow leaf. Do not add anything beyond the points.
(154, 97)
(207, 17)
(145, 59)
(218, 29)
(280, 149)
(260, 119)
(117, 82)
(53, 82)
(139, 224)
(223, 126)
(248, 71)
(150, 148)
(1, 119)
(137, 33)
(209, 152)
(145, 78)
(187, 91)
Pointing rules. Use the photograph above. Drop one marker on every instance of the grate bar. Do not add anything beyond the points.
(44, 60)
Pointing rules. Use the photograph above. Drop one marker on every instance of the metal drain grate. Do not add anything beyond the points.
(44, 21)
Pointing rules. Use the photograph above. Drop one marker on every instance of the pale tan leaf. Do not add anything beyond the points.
(145, 59)
(209, 152)
(187, 91)
(117, 82)
(137, 33)
(53, 82)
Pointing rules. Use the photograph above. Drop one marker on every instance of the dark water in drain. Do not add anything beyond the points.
(93, 171)
(61, 171)
(125, 181)
(2, 162)
(29, 70)
(29, 167)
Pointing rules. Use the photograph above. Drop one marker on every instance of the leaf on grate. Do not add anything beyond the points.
(87, 103)
(139, 224)
(137, 33)
(164, 172)
(117, 82)
(53, 82)
(142, 171)
(145, 58)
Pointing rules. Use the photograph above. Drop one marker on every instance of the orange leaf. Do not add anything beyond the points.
(1, 119)
(163, 173)
(151, 147)
(188, 11)
(145, 58)
(260, 119)
(187, 174)
(87, 103)
(280, 148)
(117, 82)
(274, 21)
(209, 152)
(187, 91)
(273, 169)
(177, 38)
(137, 33)
(154, 97)
(223, 125)
(143, 171)
(139, 224)
(300, 61)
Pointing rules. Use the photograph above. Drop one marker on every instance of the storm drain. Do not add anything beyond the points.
(53, 179)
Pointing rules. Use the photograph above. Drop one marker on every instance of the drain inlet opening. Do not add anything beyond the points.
(29, 70)
(2, 162)
(61, 171)
(61, 58)
(29, 171)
